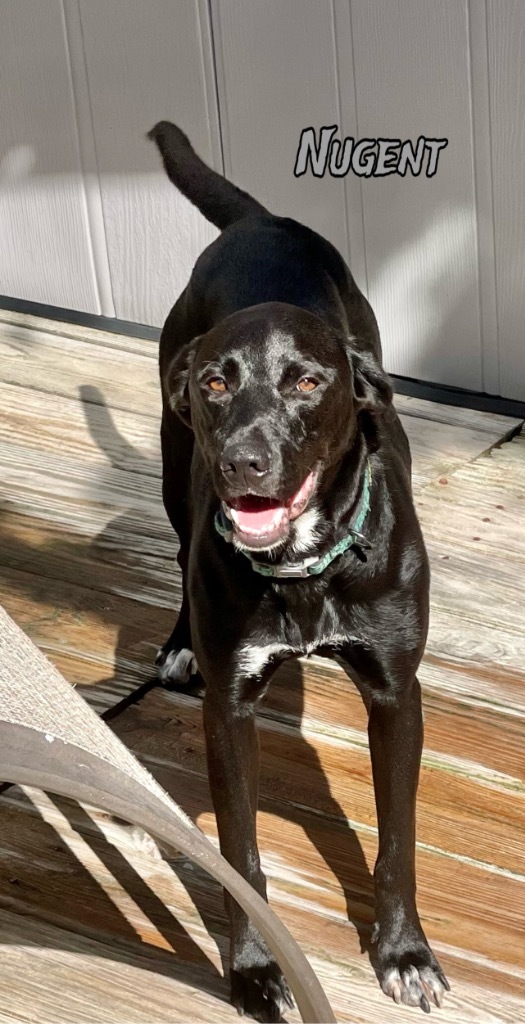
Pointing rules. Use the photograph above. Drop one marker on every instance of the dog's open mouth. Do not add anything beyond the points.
(264, 522)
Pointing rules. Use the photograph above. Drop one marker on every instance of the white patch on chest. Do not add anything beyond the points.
(253, 659)
(332, 640)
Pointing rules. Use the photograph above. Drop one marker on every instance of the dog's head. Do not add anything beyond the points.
(273, 395)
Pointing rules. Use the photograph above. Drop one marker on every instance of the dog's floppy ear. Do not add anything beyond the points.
(177, 380)
(372, 387)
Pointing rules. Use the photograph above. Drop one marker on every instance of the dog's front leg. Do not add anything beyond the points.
(258, 987)
(409, 971)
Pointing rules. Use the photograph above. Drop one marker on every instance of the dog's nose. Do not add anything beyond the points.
(244, 466)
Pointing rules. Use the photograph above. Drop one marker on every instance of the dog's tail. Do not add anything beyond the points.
(217, 199)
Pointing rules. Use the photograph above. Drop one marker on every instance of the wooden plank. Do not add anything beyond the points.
(92, 371)
(472, 522)
(93, 637)
(439, 448)
(87, 432)
(311, 860)
(104, 524)
(89, 572)
(168, 728)
(48, 972)
(495, 426)
(125, 555)
(103, 642)
(29, 342)
(120, 560)
(28, 328)
(316, 696)
(171, 903)
(55, 976)
(68, 430)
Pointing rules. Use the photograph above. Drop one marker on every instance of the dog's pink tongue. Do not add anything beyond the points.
(260, 521)
(254, 514)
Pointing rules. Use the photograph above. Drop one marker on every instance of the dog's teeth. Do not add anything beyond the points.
(227, 510)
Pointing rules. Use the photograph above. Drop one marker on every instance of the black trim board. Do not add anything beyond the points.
(73, 316)
(445, 395)
(439, 393)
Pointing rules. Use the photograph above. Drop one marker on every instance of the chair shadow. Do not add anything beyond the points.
(57, 889)
(145, 632)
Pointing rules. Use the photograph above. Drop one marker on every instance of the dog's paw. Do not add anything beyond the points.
(415, 986)
(410, 973)
(176, 666)
(260, 992)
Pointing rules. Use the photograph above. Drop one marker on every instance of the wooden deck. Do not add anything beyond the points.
(94, 928)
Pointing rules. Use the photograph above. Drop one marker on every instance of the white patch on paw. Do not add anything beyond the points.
(433, 984)
(179, 666)
(391, 985)
(413, 986)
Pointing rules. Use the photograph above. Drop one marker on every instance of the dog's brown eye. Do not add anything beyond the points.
(217, 384)
(306, 384)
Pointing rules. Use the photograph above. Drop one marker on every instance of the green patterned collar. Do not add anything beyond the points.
(310, 566)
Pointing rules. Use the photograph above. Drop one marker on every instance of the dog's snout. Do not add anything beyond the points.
(243, 466)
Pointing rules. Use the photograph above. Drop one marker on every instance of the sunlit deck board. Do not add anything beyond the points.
(83, 888)
(88, 570)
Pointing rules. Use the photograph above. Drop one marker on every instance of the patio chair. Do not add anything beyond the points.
(51, 739)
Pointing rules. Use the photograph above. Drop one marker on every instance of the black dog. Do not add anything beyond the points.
(286, 475)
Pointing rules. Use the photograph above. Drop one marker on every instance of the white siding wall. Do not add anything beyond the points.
(506, 50)
(420, 232)
(147, 61)
(89, 221)
(45, 244)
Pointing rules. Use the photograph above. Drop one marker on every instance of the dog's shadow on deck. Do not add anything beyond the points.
(295, 787)
(304, 797)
